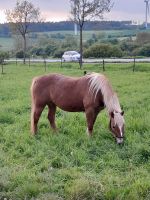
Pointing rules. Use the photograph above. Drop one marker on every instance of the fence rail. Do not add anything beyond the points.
(101, 62)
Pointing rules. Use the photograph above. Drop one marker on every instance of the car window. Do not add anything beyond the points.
(74, 53)
(70, 53)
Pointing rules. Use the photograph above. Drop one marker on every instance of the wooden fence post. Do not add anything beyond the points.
(103, 65)
(29, 61)
(134, 65)
(2, 68)
(45, 64)
(61, 62)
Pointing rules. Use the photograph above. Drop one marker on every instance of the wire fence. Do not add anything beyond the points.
(103, 64)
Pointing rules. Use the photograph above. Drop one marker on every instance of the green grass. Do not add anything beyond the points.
(69, 165)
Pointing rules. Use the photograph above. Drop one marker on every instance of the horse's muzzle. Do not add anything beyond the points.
(119, 140)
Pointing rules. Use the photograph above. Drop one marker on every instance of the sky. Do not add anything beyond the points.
(59, 10)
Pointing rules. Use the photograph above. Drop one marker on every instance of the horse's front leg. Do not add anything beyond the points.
(91, 115)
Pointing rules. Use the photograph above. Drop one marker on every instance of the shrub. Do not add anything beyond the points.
(145, 50)
(97, 51)
(3, 55)
(103, 51)
(116, 52)
(128, 46)
(58, 53)
(50, 48)
(20, 54)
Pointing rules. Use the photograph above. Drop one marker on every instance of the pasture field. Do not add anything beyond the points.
(7, 44)
(88, 34)
(69, 165)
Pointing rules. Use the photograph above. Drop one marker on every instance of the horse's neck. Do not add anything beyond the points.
(112, 102)
(99, 82)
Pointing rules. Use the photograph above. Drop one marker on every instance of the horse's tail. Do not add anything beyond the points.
(32, 88)
(32, 102)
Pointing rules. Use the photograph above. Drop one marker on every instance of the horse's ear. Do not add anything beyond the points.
(122, 113)
(85, 72)
(112, 114)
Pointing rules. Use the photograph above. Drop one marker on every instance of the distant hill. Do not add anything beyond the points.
(68, 25)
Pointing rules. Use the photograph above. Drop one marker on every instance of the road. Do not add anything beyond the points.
(108, 60)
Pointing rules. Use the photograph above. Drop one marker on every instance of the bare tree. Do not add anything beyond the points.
(20, 19)
(86, 10)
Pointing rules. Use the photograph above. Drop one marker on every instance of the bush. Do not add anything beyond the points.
(50, 49)
(103, 51)
(128, 46)
(37, 51)
(116, 52)
(3, 55)
(97, 51)
(145, 50)
(20, 54)
(58, 53)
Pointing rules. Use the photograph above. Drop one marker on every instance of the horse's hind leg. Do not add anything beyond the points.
(35, 115)
(51, 115)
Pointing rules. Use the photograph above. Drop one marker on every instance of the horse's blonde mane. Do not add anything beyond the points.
(98, 82)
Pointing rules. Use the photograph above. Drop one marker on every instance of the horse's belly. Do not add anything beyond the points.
(71, 107)
(71, 100)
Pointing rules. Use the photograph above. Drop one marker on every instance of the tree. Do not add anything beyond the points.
(20, 19)
(85, 10)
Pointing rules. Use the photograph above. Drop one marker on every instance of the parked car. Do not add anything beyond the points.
(71, 56)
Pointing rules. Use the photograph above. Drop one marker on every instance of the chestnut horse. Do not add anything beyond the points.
(90, 94)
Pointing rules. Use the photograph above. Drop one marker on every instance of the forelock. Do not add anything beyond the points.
(119, 119)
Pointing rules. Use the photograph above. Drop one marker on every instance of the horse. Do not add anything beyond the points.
(90, 93)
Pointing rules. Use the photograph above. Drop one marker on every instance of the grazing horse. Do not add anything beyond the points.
(90, 94)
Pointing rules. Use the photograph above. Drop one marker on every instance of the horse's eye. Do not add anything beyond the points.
(113, 126)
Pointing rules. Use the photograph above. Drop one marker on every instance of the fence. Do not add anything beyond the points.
(101, 62)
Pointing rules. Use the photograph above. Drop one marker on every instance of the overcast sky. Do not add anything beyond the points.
(58, 10)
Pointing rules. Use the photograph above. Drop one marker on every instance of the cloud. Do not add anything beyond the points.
(122, 15)
(54, 16)
(2, 17)
(58, 10)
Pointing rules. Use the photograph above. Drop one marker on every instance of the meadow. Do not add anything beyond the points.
(69, 165)
(7, 44)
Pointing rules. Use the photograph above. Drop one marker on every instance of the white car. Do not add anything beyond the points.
(71, 56)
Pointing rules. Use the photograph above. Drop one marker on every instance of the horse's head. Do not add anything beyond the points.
(116, 125)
